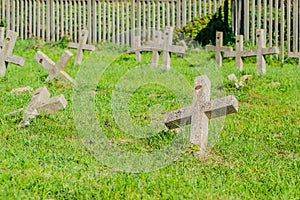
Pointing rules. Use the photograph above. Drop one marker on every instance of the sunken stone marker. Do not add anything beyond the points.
(218, 48)
(81, 46)
(41, 103)
(200, 112)
(56, 70)
(6, 55)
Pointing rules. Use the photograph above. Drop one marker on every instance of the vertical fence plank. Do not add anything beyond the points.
(94, 25)
(13, 19)
(189, 10)
(282, 30)
(295, 26)
(178, 12)
(158, 16)
(253, 23)
(71, 18)
(52, 21)
(89, 20)
(163, 14)
(183, 12)
(271, 24)
(57, 19)
(288, 25)
(127, 23)
(276, 22)
(259, 14)
(122, 23)
(104, 21)
(66, 17)
(265, 15)
(144, 29)
(18, 17)
(195, 14)
(173, 14)
(34, 19)
(8, 15)
(99, 21)
(25, 19)
(75, 21)
(84, 22)
(108, 22)
(43, 20)
(118, 22)
(62, 29)
(113, 27)
(246, 18)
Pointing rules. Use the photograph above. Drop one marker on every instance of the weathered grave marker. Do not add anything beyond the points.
(200, 112)
(295, 55)
(162, 43)
(81, 46)
(260, 52)
(218, 48)
(6, 55)
(56, 70)
(41, 103)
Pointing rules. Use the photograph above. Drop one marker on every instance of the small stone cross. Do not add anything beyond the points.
(81, 46)
(162, 43)
(6, 55)
(295, 55)
(260, 51)
(218, 48)
(56, 70)
(200, 112)
(41, 103)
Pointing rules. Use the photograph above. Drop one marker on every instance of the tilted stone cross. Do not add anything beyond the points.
(6, 55)
(200, 112)
(81, 46)
(260, 51)
(295, 55)
(56, 70)
(218, 48)
(162, 43)
(41, 103)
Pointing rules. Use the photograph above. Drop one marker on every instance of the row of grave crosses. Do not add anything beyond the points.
(260, 51)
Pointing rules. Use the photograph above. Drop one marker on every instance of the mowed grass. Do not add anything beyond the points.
(257, 155)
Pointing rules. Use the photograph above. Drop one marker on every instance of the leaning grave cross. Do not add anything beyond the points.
(260, 51)
(162, 43)
(200, 112)
(56, 70)
(218, 48)
(81, 46)
(41, 103)
(6, 55)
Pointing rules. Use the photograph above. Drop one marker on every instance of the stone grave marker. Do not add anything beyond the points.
(81, 46)
(6, 55)
(260, 52)
(295, 55)
(56, 70)
(41, 103)
(162, 43)
(200, 112)
(219, 48)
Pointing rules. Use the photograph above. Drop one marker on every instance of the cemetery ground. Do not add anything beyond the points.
(257, 155)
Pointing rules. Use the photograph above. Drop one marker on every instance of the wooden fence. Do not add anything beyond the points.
(114, 20)
(110, 20)
(279, 18)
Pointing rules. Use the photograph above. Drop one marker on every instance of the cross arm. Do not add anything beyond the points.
(85, 46)
(216, 108)
(270, 50)
(16, 60)
(44, 60)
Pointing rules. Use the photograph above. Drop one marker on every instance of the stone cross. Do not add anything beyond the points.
(6, 55)
(56, 70)
(218, 48)
(295, 55)
(41, 103)
(260, 52)
(200, 112)
(162, 43)
(81, 46)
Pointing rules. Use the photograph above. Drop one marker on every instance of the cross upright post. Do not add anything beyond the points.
(6, 55)
(219, 48)
(56, 70)
(81, 46)
(200, 112)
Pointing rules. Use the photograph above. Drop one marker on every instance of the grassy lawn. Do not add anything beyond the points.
(254, 155)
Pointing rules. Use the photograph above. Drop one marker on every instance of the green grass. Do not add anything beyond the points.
(257, 155)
